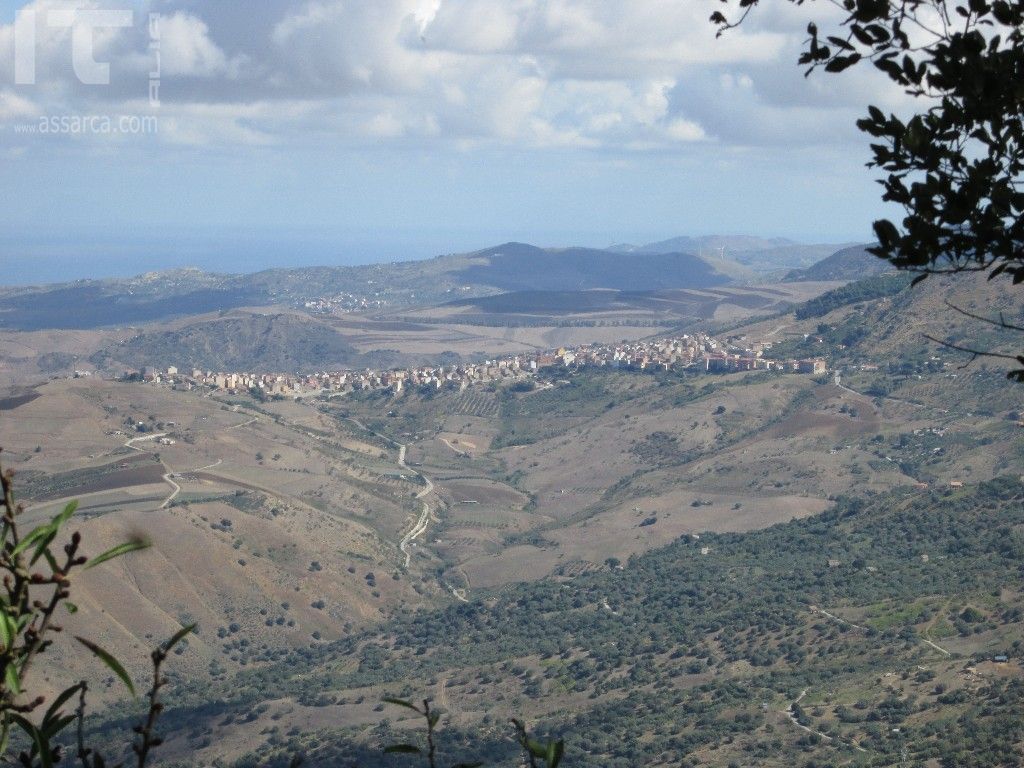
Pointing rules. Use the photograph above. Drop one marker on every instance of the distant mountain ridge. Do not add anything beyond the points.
(756, 255)
(853, 263)
(733, 243)
(523, 267)
(679, 263)
(88, 304)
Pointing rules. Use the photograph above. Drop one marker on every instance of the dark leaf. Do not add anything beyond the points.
(402, 703)
(110, 661)
(179, 636)
(40, 744)
(839, 63)
(405, 749)
(60, 701)
(840, 43)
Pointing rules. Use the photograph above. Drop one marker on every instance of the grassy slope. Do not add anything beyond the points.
(685, 656)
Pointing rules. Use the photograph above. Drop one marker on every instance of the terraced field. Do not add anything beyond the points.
(477, 402)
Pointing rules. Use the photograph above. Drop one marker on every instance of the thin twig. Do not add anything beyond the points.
(83, 751)
(975, 353)
(1001, 323)
(60, 594)
(431, 747)
(146, 731)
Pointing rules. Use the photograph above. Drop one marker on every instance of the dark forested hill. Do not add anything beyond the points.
(521, 267)
(853, 263)
(273, 342)
(869, 288)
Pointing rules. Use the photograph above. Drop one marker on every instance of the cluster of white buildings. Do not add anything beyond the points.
(343, 303)
(697, 350)
(690, 351)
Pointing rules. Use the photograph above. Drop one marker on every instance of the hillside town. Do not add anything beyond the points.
(692, 352)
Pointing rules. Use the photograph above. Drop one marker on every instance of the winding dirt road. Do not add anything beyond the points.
(423, 521)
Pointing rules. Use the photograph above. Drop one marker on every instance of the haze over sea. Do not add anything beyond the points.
(44, 257)
(47, 257)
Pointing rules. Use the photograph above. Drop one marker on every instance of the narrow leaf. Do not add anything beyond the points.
(54, 727)
(402, 703)
(120, 549)
(44, 545)
(405, 749)
(555, 756)
(11, 679)
(8, 630)
(110, 661)
(43, 548)
(34, 535)
(60, 701)
(5, 735)
(64, 516)
(39, 743)
(51, 560)
(536, 748)
(179, 636)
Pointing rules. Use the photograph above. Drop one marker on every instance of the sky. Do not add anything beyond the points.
(235, 135)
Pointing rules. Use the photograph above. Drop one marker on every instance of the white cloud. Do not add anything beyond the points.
(644, 75)
(13, 106)
(385, 126)
(684, 130)
(187, 50)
